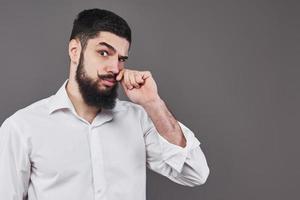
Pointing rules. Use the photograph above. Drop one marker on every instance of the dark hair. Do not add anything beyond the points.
(89, 23)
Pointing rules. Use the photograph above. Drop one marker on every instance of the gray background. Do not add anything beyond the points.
(227, 69)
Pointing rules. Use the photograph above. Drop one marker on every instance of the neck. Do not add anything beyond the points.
(82, 109)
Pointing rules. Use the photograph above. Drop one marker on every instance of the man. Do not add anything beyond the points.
(83, 143)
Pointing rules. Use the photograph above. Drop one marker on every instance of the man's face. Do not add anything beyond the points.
(99, 64)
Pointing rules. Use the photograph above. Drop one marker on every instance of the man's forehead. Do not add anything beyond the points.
(121, 45)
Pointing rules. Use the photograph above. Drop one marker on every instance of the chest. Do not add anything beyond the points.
(68, 147)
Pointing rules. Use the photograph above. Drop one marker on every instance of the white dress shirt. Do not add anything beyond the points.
(48, 152)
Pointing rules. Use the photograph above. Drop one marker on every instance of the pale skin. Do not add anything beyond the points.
(106, 54)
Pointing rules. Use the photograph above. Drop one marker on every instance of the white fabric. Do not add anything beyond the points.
(48, 152)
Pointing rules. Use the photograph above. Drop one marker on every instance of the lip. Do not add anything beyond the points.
(108, 82)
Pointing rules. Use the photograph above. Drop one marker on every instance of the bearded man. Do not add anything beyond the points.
(83, 143)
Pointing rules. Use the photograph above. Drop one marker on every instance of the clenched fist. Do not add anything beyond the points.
(139, 86)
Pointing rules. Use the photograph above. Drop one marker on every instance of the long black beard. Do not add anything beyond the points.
(90, 91)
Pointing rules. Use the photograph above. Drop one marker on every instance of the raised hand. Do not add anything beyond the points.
(139, 86)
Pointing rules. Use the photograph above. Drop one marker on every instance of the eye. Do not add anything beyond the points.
(103, 53)
(122, 59)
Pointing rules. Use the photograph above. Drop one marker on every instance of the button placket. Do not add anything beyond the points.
(97, 163)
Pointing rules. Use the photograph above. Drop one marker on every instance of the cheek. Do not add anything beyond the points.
(121, 66)
(96, 64)
(100, 68)
(92, 65)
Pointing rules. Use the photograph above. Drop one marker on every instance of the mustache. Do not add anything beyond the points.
(107, 76)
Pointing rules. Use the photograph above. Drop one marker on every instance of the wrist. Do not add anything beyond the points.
(156, 102)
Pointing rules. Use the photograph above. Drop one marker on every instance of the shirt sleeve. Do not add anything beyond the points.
(186, 166)
(14, 164)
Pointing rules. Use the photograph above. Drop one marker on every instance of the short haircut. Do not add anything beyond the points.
(89, 23)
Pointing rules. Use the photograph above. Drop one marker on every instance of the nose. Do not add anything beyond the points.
(113, 66)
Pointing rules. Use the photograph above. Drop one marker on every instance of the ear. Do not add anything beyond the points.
(74, 51)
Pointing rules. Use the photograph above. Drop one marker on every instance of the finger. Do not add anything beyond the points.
(133, 82)
(124, 85)
(139, 78)
(146, 74)
(126, 80)
(120, 75)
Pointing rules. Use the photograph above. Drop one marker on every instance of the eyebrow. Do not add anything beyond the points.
(113, 49)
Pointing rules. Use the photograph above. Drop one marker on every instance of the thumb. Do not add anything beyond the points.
(120, 75)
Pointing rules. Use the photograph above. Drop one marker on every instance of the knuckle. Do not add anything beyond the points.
(149, 73)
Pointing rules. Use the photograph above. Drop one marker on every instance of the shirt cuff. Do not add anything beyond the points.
(175, 155)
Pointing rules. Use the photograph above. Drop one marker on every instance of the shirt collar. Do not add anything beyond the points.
(61, 100)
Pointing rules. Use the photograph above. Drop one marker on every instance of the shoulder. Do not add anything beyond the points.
(29, 113)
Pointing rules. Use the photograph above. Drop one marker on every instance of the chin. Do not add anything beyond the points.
(104, 88)
(101, 86)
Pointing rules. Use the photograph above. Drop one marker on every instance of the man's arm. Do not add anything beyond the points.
(141, 88)
(164, 122)
(184, 165)
(14, 164)
(172, 149)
